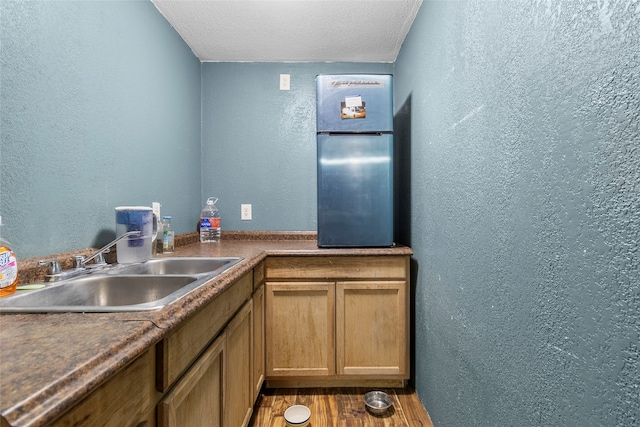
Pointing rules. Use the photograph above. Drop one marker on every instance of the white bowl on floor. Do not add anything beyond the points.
(297, 416)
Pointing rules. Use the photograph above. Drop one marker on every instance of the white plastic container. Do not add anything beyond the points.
(210, 222)
(135, 249)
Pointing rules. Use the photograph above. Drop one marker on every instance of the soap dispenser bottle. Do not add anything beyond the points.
(8, 268)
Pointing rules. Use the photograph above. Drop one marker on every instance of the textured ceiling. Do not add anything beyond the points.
(292, 30)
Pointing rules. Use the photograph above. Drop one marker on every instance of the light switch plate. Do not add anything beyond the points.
(285, 81)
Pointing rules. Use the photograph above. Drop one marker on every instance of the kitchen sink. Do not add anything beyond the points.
(137, 287)
(159, 266)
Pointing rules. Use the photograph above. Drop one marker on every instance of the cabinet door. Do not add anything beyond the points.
(372, 328)
(197, 399)
(239, 362)
(127, 399)
(300, 332)
(258, 341)
(181, 348)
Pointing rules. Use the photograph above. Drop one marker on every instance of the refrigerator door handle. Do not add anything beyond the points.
(356, 133)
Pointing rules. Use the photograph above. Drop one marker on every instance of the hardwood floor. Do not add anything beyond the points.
(339, 407)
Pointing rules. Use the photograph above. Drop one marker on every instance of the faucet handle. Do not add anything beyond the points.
(54, 266)
(100, 258)
(78, 261)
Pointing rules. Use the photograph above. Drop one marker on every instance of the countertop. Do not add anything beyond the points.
(50, 362)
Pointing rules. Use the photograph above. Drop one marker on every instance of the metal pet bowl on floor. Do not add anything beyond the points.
(377, 402)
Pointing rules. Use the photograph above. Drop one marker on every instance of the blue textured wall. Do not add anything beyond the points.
(525, 210)
(258, 142)
(518, 124)
(99, 107)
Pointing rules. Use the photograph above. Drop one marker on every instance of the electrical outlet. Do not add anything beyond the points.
(245, 212)
(285, 81)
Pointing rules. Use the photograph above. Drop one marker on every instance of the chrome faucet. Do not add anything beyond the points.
(99, 254)
(55, 273)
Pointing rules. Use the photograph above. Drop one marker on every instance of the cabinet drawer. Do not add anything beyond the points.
(177, 351)
(367, 267)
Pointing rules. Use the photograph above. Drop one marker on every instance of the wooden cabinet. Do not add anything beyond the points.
(127, 399)
(197, 399)
(258, 330)
(200, 375)
(371, 328)
(213, 388)
(238, 393)
(350, 328)
(300, 329)
(217, 389)
(179, 350)
(291, 321)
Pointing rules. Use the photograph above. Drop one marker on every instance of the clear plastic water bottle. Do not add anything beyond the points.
(210, 222)
(167, 235)
(156, 245)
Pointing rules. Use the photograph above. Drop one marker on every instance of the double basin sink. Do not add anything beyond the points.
(129, 287)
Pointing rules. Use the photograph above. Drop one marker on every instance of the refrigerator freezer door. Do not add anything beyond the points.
(354, 103)
(355, 190)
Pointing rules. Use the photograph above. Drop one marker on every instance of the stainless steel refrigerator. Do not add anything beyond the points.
(355, 160)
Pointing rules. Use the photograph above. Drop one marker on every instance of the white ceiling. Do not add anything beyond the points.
(292, 30)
